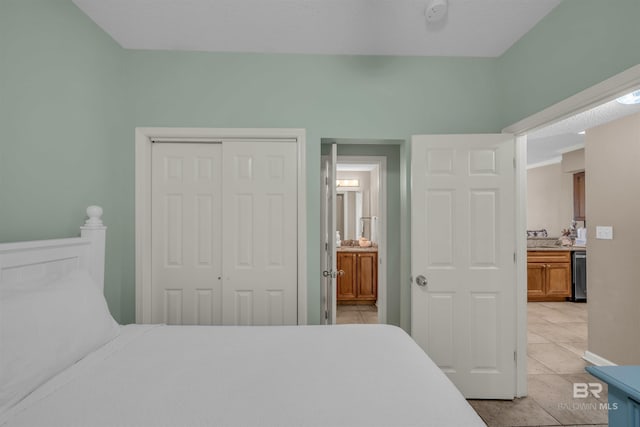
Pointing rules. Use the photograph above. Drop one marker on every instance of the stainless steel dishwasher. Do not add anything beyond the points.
(579, 277)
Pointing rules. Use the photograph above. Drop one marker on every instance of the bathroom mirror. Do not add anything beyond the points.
(349, 216)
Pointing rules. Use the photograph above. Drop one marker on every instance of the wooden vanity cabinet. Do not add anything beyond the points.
(548, 275)
(359, 282)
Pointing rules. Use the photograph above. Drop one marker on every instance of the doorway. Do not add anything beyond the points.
(556, 171)
(364, 230)
(360, 206)
(604, 91)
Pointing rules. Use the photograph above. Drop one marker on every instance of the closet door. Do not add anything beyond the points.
(260, 233)
(186, 233)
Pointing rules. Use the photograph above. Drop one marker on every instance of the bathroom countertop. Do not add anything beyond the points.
(357, 249)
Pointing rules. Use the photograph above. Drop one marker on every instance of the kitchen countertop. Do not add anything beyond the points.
(557, 249)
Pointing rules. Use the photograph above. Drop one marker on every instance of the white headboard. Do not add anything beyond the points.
(41, 259)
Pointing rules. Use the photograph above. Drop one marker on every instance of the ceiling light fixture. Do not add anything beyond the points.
(630, 98)
(582, 132)
(436, 10)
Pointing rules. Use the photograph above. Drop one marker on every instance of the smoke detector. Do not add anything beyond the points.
(436, 10)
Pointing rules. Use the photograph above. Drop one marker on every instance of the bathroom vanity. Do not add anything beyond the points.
(358, 281)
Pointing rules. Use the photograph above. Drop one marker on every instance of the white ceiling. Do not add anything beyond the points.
(475, 28)
(547, 144)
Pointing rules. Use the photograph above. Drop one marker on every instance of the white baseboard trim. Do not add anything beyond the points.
(597, 360)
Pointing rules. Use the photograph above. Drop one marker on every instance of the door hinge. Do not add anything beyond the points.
(514, 162)
(326, 246)
(326, 180)
(326, 314)
(515, 355)
(514, 258)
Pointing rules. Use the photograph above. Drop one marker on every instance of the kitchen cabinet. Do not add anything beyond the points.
(358, 284)
(548, 275)
(578, 197)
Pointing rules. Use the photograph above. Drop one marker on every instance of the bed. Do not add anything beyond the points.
(65, 362)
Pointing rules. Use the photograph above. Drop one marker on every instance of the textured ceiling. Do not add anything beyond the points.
(476, 28)
(549, 143)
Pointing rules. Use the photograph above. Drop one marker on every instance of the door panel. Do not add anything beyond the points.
(536, 279)
(329, 261)
(186, 229)
(559, 280)
(347, 280)
(260, 233)
(367, 277)
(462, 227)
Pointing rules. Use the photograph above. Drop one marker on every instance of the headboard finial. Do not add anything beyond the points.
(95, 216)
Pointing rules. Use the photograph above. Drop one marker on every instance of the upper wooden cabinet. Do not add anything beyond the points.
(359, 281)
(579, 197)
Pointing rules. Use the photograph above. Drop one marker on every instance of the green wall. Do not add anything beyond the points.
(70, 99)
(63, 116)
(329, 96)
(579, 44)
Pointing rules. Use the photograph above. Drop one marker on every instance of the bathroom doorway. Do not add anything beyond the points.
(356, 279)
(360, 248)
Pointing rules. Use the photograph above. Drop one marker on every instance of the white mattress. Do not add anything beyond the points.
(187, 376)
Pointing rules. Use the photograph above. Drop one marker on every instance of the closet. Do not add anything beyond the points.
(224, 232)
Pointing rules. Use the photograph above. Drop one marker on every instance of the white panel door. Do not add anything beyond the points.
(329, 238)
(463, 246)
(260, 233)
(186, 215)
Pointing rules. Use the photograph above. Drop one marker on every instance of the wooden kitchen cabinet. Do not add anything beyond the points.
(548, 275)
(579, 197)
(359, 282)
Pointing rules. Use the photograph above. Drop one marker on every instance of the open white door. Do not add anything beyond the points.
(328, 231)
(463, 259)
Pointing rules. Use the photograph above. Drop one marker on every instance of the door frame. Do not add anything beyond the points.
(381, 162)
(593, 96)
(144, 137)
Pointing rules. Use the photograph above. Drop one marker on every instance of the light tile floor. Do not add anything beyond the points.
(557, 337)
(356, 314)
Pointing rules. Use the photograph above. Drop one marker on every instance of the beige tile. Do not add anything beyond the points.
(565, 332)
(561, 316)
(533, 338)
(554, 394)
(557, 358)
(578, 348)
(370, 317)
(519, 412)
(534, 367)
(368, 308)
(348, 317)
(347, 308)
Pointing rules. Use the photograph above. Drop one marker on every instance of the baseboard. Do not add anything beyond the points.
(597, 360)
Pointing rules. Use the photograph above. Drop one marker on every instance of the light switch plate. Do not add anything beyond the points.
(604, 232)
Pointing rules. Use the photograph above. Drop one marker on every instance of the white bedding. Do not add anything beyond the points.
(187, 376)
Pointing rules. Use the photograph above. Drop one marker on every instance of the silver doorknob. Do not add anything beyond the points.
(421, 280)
